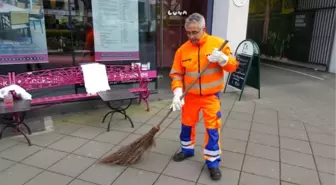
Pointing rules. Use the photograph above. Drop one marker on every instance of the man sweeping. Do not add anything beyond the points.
(189, 60)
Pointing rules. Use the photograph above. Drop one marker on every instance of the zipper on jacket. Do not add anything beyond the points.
(199, 69)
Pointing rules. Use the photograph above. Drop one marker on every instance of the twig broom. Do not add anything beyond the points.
(132, 153)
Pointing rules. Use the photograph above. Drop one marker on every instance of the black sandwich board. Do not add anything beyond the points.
(248, 72)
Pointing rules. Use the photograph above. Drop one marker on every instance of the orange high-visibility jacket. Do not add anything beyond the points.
(190, 60)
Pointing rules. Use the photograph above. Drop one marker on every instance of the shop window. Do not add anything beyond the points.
(68, 26)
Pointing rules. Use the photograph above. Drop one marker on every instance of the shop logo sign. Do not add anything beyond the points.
(179, 13)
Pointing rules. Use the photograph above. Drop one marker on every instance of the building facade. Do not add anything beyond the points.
(65, 31)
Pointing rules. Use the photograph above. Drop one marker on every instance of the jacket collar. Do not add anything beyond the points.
(203, 39)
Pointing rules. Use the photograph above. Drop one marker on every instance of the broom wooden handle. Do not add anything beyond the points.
(193, 83)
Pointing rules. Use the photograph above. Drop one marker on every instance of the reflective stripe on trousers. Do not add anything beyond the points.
(210, 105)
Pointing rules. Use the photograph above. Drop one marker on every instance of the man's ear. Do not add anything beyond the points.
(204, 29)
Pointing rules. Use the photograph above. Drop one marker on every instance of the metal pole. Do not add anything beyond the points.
(161, 33)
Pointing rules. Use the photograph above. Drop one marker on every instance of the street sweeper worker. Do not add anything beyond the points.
(189, 61)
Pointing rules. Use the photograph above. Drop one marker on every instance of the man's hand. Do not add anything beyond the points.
(219, 57)
(177, 103)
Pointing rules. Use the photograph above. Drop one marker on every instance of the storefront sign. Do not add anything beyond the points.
(116, 30)
(248, 72)
(22, 34)
(177, 13)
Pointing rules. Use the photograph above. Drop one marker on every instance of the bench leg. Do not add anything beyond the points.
(107, 115)
(18, 129)
(147, 104)
(3, 129)
(120, 110)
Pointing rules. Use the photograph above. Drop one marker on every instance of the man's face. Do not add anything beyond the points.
(194, 32)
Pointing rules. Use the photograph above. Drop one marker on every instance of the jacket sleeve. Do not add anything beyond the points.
(177, 71)
(232, 64)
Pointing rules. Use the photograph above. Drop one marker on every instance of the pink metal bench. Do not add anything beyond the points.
(58, 77)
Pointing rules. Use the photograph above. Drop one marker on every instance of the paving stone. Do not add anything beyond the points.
(187, 170)
(102, 174)
(199, 139)
(315, 129)
(250, 179)
(93, 149)
(269, 119)
(264, 129)
(324, 150)
(291, 124)
(240, 116)
(165, 180)
(125, 126)
(138, 177)
(44, 139)
(286, 183)
(325, 165)
(19, 152)
(50, 179)
(175, 124)
(166, 147)
(157, 119)
(293, 134)
(80, 182)
(262, 167)
(142, 118)
(144, 129)
(295, 145)
(112, 137)
(153, 162)
(262, 151)
(233, 145)
(72, 165)
(68, 143)
(238, 124)
(7, 143)
(232, 160)
(297, 159)
(322, 139)
(164, 112)
(244, 108)
(171, 134)
(87, 132)
(18, 174)
(129, 139)
(264, 139)
(228, 177)
(299, 175)
(235, 134)
(200, 128)
(66, 128)
(198, 154)
(4, 164)
(327, 179)
(51, 156)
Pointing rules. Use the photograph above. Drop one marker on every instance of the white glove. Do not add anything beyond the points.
(218, 56)
(177, 103)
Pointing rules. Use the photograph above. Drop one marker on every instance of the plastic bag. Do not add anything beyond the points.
(20, 92)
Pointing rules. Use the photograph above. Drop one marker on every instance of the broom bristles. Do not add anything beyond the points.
(132, 153)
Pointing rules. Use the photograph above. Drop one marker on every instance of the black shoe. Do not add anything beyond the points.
(215, 173)
(180, 157)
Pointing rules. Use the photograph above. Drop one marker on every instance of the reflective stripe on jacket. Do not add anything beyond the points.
(190, 60)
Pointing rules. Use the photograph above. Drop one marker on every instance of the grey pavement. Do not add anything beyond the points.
(287, 137)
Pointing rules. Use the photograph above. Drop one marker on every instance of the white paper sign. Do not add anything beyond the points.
(95, 78)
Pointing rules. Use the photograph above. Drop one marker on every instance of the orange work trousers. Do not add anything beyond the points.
(210, 106)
